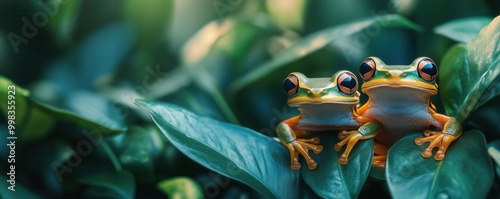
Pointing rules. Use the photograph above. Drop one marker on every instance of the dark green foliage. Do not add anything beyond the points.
(181, 98)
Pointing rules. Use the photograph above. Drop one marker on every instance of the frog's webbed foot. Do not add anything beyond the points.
(350, 138)
(303, 146)
(365, 131)
(438, 140)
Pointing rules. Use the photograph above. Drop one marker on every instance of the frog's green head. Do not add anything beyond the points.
(420, 75)
(340, 89)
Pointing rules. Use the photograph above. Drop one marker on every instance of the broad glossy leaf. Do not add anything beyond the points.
(231, 150)
(485, 118)
(137, 155)
(466, 171)
(468, 70)
(319, 40)
(120, 184)
(333, 180)
(180, 187)
(34, 119)
(462, 30)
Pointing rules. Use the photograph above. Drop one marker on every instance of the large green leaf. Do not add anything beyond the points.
(317, 41)
(233, 151)
(180, 187)
(466, 171)
(463, 30)
(333, 180)
(34, 119)
(468, 70)
(137, 154)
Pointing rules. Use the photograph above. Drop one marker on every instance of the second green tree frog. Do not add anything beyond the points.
(399, 98)
(324, 104)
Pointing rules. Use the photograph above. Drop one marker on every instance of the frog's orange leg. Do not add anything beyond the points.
(379, 154)
(364, 108)
(366, 131)
(288, 134)
(440, 139)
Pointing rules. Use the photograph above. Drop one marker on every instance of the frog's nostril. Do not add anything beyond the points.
(394, 73)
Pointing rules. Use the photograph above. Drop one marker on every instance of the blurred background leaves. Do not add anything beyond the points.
(83, 63)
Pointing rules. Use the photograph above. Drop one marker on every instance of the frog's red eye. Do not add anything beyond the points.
(367, 69)
(427, 69)
(291, 85)
(347, 83)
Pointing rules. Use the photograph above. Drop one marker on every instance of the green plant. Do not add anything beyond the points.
(206, 78)
(259, 159)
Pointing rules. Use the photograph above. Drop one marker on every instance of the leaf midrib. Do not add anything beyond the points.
(262, 184)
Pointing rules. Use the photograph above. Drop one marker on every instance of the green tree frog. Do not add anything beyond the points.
(324, 104)
(399, 98)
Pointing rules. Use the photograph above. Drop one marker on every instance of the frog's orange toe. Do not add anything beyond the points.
(315, 140)
(312, 165)
(418, 141)
(338, 147)
(318, 149)
(439, 155)
(343, 159)
(295, 166)
(426, 153)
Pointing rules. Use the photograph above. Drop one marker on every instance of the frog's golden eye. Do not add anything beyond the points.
(291, 85)
(367, 69)
(347, 83)
(427, 69)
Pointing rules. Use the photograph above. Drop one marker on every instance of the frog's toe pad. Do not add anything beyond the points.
(318, 149)
(295, 166)
(315, 140)
(343, 160)
(312, 165)
(427, 153)
(337, 147)
(439, 155)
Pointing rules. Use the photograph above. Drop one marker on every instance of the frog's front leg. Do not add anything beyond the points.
(366, 131)
(440, 139)
(293, 140)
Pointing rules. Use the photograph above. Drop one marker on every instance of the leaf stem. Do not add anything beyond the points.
(223, 105)
(111, 155)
